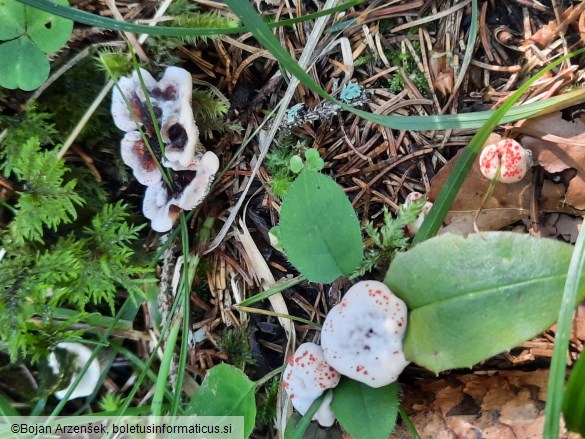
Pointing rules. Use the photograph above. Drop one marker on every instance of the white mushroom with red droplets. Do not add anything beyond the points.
(191, 170)
(362, 335)
(306, 377)
(414, 226)
(81, 355)
(507, 154)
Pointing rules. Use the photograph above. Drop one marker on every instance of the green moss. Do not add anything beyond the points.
(266, 403)
(55, 258)
(236, 345)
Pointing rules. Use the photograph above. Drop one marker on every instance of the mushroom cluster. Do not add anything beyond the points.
(191, 170)
(361, 338)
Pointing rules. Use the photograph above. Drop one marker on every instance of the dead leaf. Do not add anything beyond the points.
(566, 151)
(443, 76)
(502, 405)
(546, 34)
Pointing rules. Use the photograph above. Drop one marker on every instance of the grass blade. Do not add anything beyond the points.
(556, 381)
(163, 374)
(123, 26)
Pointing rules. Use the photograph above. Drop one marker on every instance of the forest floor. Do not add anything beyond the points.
(409, 58)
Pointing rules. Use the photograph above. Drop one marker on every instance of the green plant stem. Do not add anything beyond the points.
(276, 288)
(189, 267)
(85, 118)
(305, 421)
(164, 171)
(165, 366)
(94, 319)
(186, 287)
(269, 376)
(558, 366)
(408, 422)
(138, 364)
(276, 314)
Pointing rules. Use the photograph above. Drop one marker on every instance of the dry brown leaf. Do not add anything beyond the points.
(546, 34)
(443, 76)
(543, 37)
(502, 405)
(566, 149)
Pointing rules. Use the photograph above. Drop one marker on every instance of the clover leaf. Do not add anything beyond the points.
(29, 34)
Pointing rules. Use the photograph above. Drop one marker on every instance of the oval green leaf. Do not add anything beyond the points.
(365, 412)
(226, 391)
(12, 19)
(319, 230)
(472, 298)
(296, 164)
(48, 31)
(574, 401)
(28, 67)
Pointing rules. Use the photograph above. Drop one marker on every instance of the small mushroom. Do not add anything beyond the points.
(513, 160)
(306, 377)
(414, 226)
(362, 335)
(162, 205)
(80, 356)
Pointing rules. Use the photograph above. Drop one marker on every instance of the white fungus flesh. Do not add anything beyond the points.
(306, 377)
(162, 206)
(362, 335)
(80, 356)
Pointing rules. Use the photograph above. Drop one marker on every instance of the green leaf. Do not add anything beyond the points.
(357, 405)
(574, 402)
(296, 164)
(48, 31)
(226, 391)
(12, 19)
(6, 408)
(314, 160)
(471, 298)
(28, 67)
(319, 229)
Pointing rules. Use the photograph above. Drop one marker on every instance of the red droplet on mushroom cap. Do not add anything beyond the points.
(306, 377)
(513, 160)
